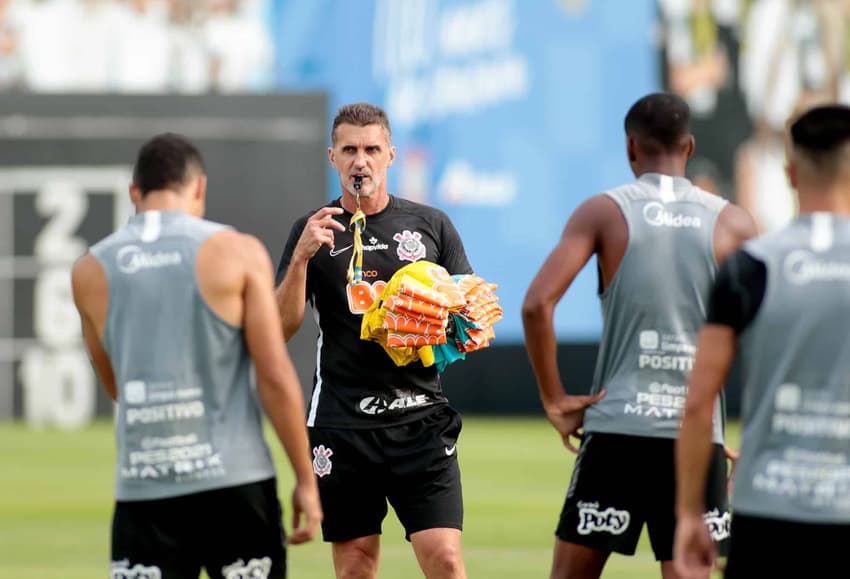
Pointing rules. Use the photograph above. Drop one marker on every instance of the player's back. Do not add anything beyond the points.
(654, 306)
(795, 363)
(188, 417)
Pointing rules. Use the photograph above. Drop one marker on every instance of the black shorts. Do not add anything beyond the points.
(774, 548)
(621, 482)
(230, 532)
(412, 465)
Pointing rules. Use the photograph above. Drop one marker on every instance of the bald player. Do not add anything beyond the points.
(658, 243)
(179, 317)
(782, 305)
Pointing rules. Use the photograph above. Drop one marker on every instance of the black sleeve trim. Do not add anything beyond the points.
(738, 291)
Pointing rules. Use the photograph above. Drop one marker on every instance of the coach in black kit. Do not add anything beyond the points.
(378, 431)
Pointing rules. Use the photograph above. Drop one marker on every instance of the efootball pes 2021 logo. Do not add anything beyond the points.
(322, 460)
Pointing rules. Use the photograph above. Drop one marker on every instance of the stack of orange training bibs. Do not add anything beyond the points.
(481, 311)
(428, 315)
(417, 315)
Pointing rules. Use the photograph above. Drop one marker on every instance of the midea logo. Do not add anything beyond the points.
(132, 259)
(802, 267)
(657, 216)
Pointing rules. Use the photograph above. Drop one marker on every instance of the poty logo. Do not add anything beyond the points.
(802, 267)
(657, 216)
(610, 520)
(132, 259)
(253, 569)
(718, 524)
(122, 570)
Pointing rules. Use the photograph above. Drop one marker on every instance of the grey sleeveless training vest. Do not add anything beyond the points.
(795, 361)
(654, 307)
(188, 415)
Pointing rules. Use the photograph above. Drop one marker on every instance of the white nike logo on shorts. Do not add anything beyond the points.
(451, 450)
(334, 252)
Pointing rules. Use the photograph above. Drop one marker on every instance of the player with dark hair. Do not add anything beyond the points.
(658, 242)
(782, 306)
(659, 124)
(166, 162)
(379, 431)
(179, 318)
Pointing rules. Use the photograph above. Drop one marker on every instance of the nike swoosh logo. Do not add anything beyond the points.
(451, 450)
(334, 252)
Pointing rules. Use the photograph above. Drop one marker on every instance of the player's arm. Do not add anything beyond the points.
(694, 551)
(579, 241)
(291, 294)
(735, 299)
(91, 296)
(734, 226)
(746, 194)
(278, 384)
(716, 347)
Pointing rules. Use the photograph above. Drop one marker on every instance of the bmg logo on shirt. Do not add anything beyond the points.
(362, 295)
(135, 392)
(788, 398)
(649, 340)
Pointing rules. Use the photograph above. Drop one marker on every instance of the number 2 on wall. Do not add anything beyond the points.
(65, 205)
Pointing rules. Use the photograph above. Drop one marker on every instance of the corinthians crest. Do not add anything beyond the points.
(410, 246)
(322, 460)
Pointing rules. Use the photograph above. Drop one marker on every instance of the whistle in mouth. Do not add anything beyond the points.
(358, 182)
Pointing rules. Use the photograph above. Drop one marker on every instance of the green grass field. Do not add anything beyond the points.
(56, 499)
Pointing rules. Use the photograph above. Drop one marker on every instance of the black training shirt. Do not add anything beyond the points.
(356, 384)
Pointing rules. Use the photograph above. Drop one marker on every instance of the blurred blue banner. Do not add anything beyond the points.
(506, 114)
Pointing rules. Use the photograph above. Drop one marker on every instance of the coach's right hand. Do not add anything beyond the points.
(306, 512)
(318, 231)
